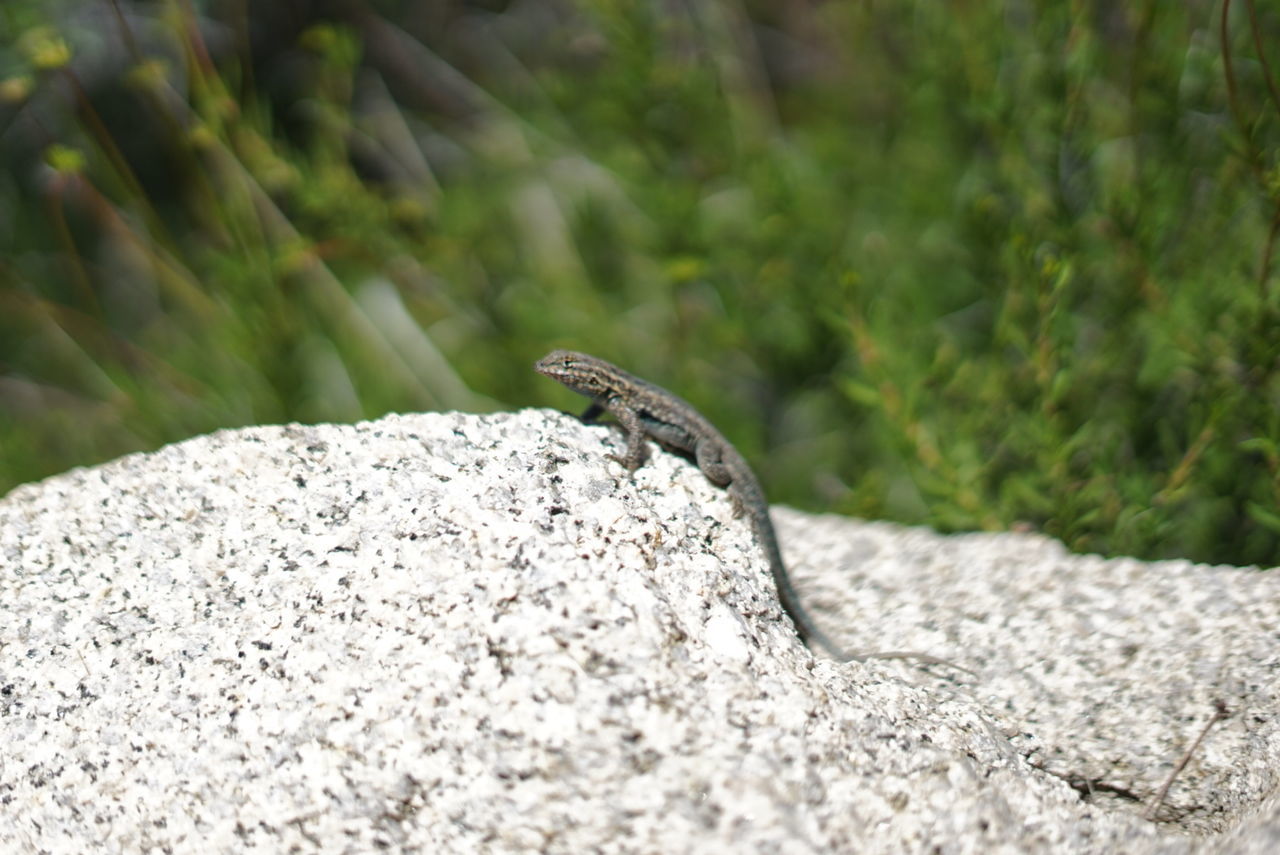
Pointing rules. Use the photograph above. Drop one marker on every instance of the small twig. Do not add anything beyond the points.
(1219, 713)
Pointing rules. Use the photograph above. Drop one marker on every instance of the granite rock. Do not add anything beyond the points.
(457, 633)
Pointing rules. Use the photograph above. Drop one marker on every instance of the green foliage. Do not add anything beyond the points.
(980, 266)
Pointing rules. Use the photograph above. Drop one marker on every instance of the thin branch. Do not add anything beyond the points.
(1262, 55)
(1219, 713)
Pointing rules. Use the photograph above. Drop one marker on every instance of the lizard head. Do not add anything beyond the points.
(584, 374)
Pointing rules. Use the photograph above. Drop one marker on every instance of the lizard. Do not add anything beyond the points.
(644, 409)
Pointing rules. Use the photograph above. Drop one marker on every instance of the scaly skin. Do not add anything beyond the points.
(646, 410)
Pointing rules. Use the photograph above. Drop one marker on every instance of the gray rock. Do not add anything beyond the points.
(452, 633)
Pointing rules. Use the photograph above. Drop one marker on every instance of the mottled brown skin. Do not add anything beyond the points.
(646, 410)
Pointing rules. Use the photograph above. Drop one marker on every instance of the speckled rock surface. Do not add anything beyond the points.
(449, 633)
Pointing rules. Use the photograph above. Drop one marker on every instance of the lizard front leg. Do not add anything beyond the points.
(632, 424)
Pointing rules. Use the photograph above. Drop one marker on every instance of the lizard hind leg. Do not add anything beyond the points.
(710, 462)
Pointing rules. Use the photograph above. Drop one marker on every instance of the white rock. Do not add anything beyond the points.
(451, 633)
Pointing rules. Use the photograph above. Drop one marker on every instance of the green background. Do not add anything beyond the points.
(982, 265)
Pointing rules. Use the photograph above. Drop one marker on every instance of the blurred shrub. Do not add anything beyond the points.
(981, 266)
